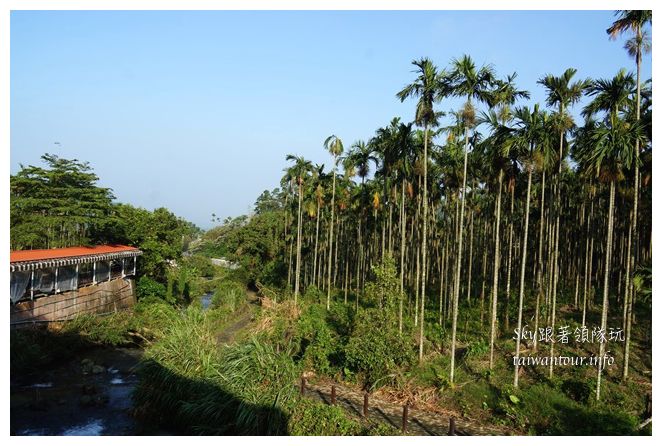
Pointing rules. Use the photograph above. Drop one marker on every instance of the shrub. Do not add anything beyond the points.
(317, 342)
(150, 288)
(311, 418)
(314, 295)
(375, 348)
(202, 265)
(383, 291)
(579, 391)
(477, 349)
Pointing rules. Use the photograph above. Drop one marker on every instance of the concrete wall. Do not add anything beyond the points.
(104, 297)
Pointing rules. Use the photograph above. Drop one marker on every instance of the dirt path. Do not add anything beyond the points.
(381, 411)
(243, 316)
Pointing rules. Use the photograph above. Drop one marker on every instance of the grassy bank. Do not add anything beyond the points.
(189, 383)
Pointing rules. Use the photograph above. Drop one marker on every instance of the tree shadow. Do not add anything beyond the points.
(581, 421)
(200, 407)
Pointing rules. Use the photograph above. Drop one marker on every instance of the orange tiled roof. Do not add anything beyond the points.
(58, 253)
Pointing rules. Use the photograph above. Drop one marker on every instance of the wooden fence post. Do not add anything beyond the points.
(451, 426)
(303, 385)
(405, 415)
(333, 395)
(365, 405)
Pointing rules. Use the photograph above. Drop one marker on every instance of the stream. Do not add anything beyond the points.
(205, 300)
(89, 394)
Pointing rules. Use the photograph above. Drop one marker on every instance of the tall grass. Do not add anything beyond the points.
(187, 382)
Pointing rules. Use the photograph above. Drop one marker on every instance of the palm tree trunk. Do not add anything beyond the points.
(605, 294)
(510, 257)
(456, 291)
(540, 279)
(555, 275)
(495, 277)
(471, 255)
(626, 301)
(418, 255)
(403, 228)
(333, 203)
(522, 273)
(317, 233)
(483, 278)
(631, 255)
(298, 267)
(587, 263)
(424, 244)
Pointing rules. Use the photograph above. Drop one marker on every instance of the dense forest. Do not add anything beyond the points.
(428, 264)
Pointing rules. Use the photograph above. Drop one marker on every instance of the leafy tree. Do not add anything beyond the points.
(57, 206)
(157, 233)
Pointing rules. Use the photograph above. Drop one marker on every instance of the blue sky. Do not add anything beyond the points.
(195, 111)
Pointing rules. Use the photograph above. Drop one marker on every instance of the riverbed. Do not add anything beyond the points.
(87, 395)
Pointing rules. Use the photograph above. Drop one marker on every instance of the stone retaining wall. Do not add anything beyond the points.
(104, 297)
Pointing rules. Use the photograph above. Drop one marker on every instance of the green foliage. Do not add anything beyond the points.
(310, 418)
(441, 379)
(643, 282)
(314, 295)
(580, 391)
(158, 234)
(60, 205)
(376, 349)
(269, 201)
(201, 265)
(551, 412)
(341, 319)
(383, 290)
(31, 349)
(145, 322)
(316, 339)
(254, 243)
(149, 289)
(110, 330)
(228, 295)
(477, 349)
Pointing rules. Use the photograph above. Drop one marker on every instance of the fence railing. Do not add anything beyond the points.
(452, 430)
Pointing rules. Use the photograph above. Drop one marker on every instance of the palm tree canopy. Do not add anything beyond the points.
(610, 148)
(465, 81)
(360, 155)
(560, 91)
(611, 95)
(506, 92)
(334, 146)
(429, 87)
(629, 20)
(299, 169)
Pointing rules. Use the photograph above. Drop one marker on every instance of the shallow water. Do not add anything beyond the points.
(205, 300)
(69, 399)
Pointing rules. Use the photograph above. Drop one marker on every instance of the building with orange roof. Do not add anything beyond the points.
(57, 284)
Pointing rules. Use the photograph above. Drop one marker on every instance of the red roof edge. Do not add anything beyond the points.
(58, 253)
